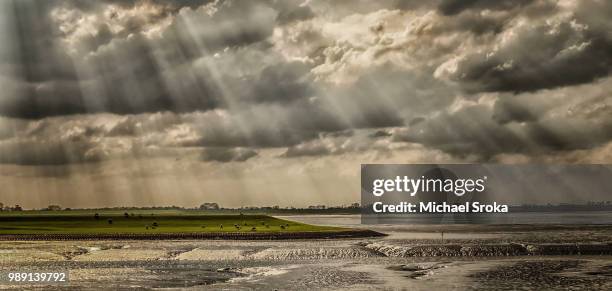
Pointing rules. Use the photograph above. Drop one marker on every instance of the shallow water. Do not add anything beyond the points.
(356, 264)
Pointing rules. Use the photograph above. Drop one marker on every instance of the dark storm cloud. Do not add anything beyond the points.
(290, 121)
(301, 122)
(141, 87)
(342, 133)
(79, 139)
(32, 152)
(290, 11)
(125, 72)
(508, 110)
(358, 141)
(281, 83)
(469, 131)
(384, 95)
(483, 132)
(545, 54)
(307, 150)
(234, 23)
(416, 121)
(44, 99)
(225, 155)
(263, 126)
(36, 72)
(527, 72)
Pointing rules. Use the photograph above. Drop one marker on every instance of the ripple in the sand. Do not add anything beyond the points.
(24, 256)
(314, 253)
(212, 254)
(121, 255)
(542, 275)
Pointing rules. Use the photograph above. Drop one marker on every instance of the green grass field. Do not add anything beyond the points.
(62, 222)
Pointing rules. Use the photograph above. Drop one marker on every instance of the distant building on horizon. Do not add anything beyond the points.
(209, 206)
(316, 207)
(54, 208)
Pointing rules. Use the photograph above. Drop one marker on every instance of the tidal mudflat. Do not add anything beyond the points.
(411, 257)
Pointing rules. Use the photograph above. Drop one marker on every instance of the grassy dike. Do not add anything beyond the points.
(35, 226)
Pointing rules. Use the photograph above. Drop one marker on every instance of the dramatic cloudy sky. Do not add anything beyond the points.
(106, 103)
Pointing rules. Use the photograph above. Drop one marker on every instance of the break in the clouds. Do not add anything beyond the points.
(240, 83)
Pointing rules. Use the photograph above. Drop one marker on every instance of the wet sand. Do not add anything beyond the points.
(559, 273)
(409, 258)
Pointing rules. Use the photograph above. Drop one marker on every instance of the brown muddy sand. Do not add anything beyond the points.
(487, 250)
(545, 275)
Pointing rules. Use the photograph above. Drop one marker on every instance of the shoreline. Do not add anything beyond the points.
(343, 234)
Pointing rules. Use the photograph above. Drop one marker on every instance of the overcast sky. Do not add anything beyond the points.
(108, 103)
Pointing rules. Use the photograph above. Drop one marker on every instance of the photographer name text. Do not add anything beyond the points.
(433, 207)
